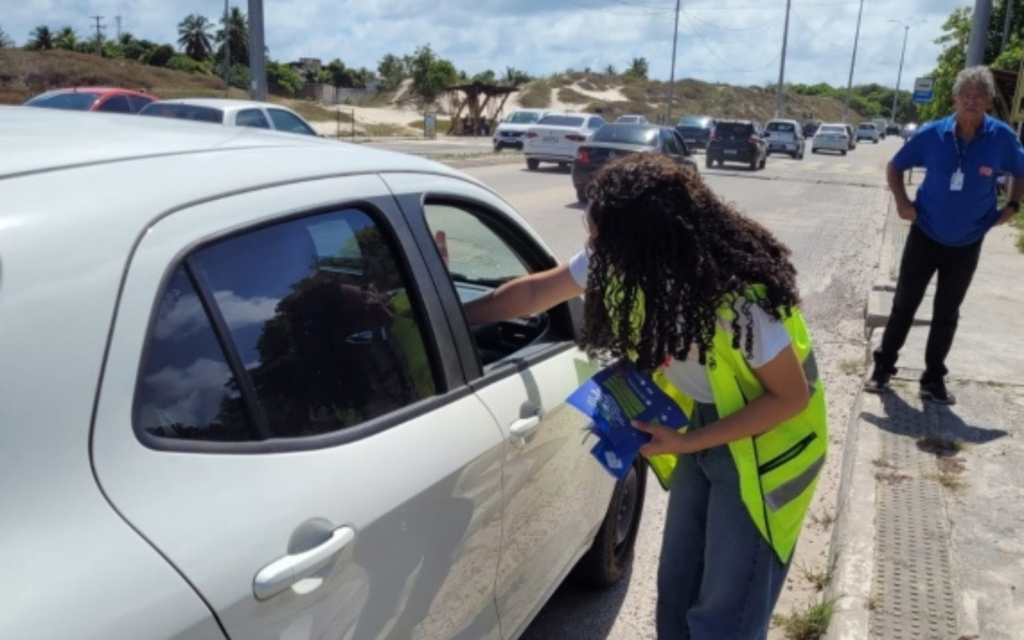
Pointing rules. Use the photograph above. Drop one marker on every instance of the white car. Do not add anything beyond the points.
(785, 136)
(240, 398)
(631, 119)
(868, 131)
(238, 113)
(831, 137)
(556, 137)
(509, 132)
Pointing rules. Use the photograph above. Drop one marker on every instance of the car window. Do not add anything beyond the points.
(472, 250)
(251, 118)
(183, 112)
(627, 134)
(562, 121)
(323, 325)
(115, 104)
(734, 129)
(869, 127)
(681, 142)
(670, 144)
(825, 128)
(73, 101)
(595, 123)
(695, 121)
(782, 127)
(523, 117)
(285, 121)
(138, 103)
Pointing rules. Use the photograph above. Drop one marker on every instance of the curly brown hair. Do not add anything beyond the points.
(667, 254)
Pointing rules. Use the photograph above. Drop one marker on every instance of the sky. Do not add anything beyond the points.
(731, 41)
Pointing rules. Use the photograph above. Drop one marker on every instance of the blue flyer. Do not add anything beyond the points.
(612, 398)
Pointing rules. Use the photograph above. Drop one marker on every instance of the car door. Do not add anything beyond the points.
(555, 494)
(115, 104)
(279, 419)
(671, 146)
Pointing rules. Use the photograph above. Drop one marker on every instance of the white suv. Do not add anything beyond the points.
(509, 132)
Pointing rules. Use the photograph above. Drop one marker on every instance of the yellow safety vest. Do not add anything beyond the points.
(778, 469)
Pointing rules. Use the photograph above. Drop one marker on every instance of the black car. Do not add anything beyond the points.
(738, 141)
(892, 129)
(696, 130)
(614, 140)
(810, 127)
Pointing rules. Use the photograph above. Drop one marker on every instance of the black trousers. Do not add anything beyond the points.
(922, 258)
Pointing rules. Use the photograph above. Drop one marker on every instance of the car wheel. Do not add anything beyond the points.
(874, 141)
(753, 164)
(813, 150)
(581, 196)
(564, 166)
(708, 162)
(611, 553)
(843, 152)
(532, 164)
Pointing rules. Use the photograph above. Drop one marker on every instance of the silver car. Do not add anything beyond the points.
(237, 113)
(240, 398)
(556, 137)
(831, 137)
(785, 136)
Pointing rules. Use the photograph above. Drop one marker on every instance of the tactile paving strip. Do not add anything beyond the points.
(914, 597)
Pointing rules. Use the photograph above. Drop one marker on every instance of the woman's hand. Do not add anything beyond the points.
(663, 440)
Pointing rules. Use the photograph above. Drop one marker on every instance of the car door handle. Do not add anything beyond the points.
(284, 572)
(521, 429)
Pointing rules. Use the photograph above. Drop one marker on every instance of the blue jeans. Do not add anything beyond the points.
(718, 578)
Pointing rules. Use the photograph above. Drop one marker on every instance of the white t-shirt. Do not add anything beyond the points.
(689, 376)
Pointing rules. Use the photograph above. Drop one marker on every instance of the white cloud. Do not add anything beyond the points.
(735, 41)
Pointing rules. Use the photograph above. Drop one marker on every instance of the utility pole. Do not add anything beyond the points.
(853, 61)
(672, 74)
(118, 18)
(1008, 6)
(899, 75)
(257, 53)
(99, 34)
(782, 63)
(979, 33)
(227, 48)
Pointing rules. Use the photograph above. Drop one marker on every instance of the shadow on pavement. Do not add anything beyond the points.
(903, 419)
(593, 612)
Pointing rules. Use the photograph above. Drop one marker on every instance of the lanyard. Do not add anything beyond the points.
(960, 153)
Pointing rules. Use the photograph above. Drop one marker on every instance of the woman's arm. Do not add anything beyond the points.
(785, 395)
(524, 296)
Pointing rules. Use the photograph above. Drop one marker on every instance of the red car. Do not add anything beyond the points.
(110, 100)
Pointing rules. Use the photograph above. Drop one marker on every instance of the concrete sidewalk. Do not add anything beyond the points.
(929, 537)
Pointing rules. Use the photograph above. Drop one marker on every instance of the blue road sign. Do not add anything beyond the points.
(923, 90)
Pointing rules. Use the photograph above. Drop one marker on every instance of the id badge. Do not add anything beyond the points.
(956, 181)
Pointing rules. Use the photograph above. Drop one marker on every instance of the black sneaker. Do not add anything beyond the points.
(935, 391)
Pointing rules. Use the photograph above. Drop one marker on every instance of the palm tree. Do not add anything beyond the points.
(42, 39)
(66, 39)
(238, 29)
(194, 37)
(638, 68)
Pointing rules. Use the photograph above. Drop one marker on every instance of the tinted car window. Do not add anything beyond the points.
(284, 121)
(831, 129)
(71, 100)
(138, 102)
(251, 118)
(523, 117)
(734, 129)
(116, 104)
(670, 144)
(627, 134)
(186, 389)
(321, 319)
(695, 121)
(183, 112)
(562, 121)
(782, 127)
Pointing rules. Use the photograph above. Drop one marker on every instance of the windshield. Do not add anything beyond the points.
(65, 100)
(627, 134)
(693, 121)
(562, 121)
(183, 112)
(867, 126)
(782, 127)
(832, 128)
(523, 117)
(727, 129)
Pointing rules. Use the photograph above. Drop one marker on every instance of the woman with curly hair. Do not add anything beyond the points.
(705, 300)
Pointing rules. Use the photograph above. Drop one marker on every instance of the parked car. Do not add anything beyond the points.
(786, 136)
(630, 118)
(509, 132)
(810, 127)
(908, 131)
(738, 141)
(104, 99)
(893, 129)
(556, 137)
(880, 124)
(696, 130)
(247, 403)
(831, 137)
(868, 131)
(851, 136)
(238, 113)
(614, 140)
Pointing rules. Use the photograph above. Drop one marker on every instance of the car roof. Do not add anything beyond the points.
(100, 90)
(226, 104)
(45, 140)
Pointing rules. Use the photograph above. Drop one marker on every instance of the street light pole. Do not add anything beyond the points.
(782, 62)
(227, 48)
(672, 74)
(899, 76)
(979, 33)
(257, 53)
(853, 61)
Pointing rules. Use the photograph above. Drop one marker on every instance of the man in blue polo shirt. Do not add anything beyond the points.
(963, 156)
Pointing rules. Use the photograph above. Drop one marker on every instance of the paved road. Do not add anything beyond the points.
(441, 146)
(829, 210)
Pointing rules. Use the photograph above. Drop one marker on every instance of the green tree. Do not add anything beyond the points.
(956, 32)
(183, 63)
(194, 37)
(41, 39)
(430, 74)
(66, 39)
(160, 56)
(5, 40)
(485, 77)
(610, 70)
(392, 71)
(283, 78)
(236, 33)
(638, 68)
(515, 77)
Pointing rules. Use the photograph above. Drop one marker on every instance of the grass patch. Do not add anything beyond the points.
(318, 113)
(874, 602)
(817, 578)
(443, 124)
(1018, 223)
(537, 95)
(571, 96)
(385, 130)
(948, 480)
(851, 367)
(824, 519)
(810, 623)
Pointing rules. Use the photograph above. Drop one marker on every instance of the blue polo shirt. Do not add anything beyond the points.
(960, 218)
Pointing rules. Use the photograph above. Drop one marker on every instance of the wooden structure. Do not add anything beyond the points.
(475, 108)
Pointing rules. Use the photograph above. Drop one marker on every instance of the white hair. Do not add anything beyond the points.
(980, 76)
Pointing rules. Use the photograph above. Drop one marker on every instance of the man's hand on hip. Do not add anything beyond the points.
(907, 211)
(1005, 215)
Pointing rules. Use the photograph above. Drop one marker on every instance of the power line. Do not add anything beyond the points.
(813, 31)
(611, 11)
(710, 49)
(721, 28)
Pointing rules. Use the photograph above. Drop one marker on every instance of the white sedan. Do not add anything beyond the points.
(238, 113)
(831, 137)
(556, 137)
(240, 398)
